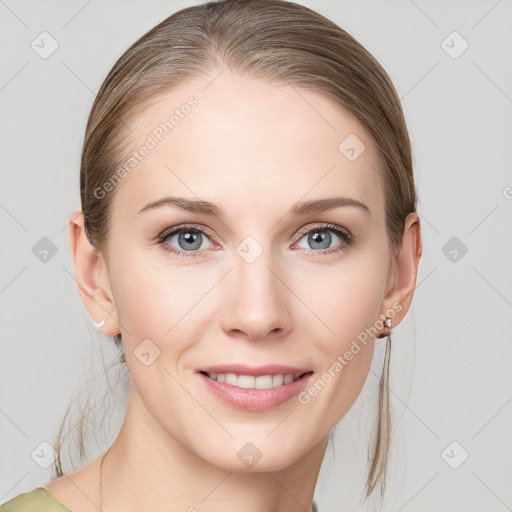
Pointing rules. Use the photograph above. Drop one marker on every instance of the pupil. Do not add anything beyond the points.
(190, 238)
(318, 237)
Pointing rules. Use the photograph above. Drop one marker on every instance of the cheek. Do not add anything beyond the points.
(346, 308)
(344, 300)
(158, 299)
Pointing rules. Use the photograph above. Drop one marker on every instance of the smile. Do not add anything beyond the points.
(241, 391)
(252, 382)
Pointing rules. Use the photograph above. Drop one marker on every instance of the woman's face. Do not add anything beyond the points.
(264, 284)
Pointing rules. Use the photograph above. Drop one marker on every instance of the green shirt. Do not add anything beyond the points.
(37, 500)
(40, 500)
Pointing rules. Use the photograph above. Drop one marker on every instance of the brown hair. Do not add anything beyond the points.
(270, 39)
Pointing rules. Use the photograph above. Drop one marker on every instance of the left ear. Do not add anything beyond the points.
(402, 279)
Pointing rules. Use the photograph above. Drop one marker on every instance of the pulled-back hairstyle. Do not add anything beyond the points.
(273, 40)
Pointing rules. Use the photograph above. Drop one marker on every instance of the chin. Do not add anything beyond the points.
(254, 457)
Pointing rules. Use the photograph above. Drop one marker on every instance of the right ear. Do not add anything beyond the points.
(92, 277)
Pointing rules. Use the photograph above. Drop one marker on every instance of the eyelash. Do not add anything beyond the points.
(347, 237)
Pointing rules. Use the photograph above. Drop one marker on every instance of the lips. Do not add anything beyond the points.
(250, 399)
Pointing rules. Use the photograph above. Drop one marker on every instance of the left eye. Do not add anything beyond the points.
(321, 237)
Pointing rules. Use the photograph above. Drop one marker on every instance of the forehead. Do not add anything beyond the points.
(247, 142)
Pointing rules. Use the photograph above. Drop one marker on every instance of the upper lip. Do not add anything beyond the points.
(256, 371)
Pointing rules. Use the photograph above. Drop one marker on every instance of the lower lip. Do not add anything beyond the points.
(255, 399)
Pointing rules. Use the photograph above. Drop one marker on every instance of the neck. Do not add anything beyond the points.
(147, 468)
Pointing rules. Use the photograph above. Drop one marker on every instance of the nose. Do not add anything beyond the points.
(258, 299)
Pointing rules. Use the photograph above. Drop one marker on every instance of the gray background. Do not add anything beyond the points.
(451, 359)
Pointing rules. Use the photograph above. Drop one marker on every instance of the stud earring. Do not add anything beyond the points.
(100, 324)
(388, 322)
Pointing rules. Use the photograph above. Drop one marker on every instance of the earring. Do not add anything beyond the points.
(388, 322)
(99, 324)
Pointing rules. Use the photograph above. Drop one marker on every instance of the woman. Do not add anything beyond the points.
(248, 232)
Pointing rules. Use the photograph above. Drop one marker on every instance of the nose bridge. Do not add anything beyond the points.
(257, 303)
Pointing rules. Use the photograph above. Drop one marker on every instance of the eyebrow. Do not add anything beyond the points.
(301, 208)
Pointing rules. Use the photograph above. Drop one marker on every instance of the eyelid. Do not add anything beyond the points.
(327, 227)
(182, 227)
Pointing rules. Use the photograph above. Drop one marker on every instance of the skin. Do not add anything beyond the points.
(254, 148)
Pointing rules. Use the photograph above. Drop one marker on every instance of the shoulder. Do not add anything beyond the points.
(37, 500)
(63, 494)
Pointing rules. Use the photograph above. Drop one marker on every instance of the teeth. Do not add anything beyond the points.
(251, 382)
